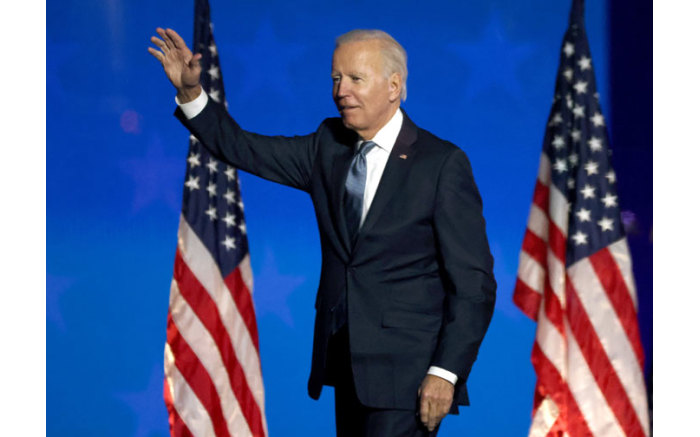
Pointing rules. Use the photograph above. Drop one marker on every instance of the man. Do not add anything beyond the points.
(406, 290)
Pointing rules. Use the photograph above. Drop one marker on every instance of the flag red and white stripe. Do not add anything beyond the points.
(213, 381)
(587, 354)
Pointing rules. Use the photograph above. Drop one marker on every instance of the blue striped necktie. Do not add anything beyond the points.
(352, 202)
(355, 188)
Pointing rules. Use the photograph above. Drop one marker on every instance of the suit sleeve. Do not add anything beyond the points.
(467, 266)
(286, 160)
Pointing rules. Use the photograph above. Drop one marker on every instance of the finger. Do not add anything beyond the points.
(177, 40)
(156, 54)
(159, 42)
(445, 408)
(424, 410)
(194, 62)
(163, 34)
(433, 416)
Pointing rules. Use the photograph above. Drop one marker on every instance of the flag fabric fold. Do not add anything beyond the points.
(575, 273)
(213, 380)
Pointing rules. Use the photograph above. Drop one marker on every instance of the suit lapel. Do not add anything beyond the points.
(341, 164)
(394, 174)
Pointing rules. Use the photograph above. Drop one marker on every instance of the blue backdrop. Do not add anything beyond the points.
(481, 74)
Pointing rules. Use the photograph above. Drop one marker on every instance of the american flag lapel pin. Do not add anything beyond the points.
(402, 156)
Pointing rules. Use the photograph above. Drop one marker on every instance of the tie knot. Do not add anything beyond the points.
(365, 147)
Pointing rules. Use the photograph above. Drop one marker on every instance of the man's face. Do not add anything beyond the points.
(364, 96)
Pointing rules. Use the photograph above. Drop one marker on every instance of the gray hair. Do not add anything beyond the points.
(395, 59)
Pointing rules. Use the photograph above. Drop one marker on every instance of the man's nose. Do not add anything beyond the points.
(341, 88)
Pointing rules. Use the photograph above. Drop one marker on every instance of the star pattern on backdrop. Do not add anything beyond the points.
(266, 62)
(58, 56)
(273, 289)
(491, 49)
(147, 406)
(154, 176)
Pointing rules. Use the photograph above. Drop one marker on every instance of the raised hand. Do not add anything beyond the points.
(180, 65)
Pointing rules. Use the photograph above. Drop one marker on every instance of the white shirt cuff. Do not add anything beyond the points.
(442, 373)
(193, 108)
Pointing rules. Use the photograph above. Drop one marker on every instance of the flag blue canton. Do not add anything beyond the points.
(576, 143)
(212, 203)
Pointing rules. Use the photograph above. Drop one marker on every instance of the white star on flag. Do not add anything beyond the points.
(214, 94)
(598, 119)
(558, 142)
(591, 168)
(588, 191)
(605, 224)
(229, 173)
(212, 50)
(609, 200)
(610, 176)
(569, 101)
(229, 243)
(575, 134)
(212, 166)
(580, 87)
(568, 74)
(560, 165)
(213, 72)
(242, 227)
(211, 188)
(193, 159)
(229, 219)
(584, 63)
(573, 159)
(230, 196)
(596, 144)
(211, 212)
(578, 111)
(192, 183)
(580, 238)
(556, 120)
(568, 49)
(584, 215)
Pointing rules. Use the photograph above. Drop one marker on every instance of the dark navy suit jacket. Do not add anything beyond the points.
(419, 277)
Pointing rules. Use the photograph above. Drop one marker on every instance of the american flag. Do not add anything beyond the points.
(575, 273)
(213, 381)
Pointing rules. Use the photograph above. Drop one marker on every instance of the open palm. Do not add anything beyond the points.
(180, 65)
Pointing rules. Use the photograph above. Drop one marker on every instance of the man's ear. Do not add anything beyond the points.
(395, 85)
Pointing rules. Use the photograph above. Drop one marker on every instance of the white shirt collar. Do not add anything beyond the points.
(387, 135)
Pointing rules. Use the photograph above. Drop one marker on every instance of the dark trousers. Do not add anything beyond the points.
(352, 419)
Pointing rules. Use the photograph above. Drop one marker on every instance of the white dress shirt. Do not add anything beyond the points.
(377, 158)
